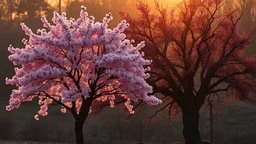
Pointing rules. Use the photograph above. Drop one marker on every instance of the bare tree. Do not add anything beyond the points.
(196, 52)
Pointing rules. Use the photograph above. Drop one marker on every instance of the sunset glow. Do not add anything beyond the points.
(166, 1)
(172, 1)
(55, 3)
(52, 2)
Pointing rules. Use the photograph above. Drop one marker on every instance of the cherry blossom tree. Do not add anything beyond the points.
(196, 51)
(80, 65)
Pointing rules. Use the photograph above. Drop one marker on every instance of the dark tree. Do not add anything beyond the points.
(32, 9)
(59, 6)
(196, 51)
(100, 7)
(3, 12)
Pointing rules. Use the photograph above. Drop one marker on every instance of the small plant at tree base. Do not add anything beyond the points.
(197, 51)
(81, 65)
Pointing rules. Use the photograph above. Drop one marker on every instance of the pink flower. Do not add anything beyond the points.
(73, 60)
(36, 117)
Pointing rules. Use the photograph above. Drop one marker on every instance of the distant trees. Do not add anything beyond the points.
(11, 8)
(196, 51)
(6, 10)
(32, 9)
(248, 8)
(13, 11)
(81, 65)
(60, 2)
(2, 14)
(99, 8)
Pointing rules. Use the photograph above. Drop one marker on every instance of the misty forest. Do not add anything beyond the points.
(128, 72)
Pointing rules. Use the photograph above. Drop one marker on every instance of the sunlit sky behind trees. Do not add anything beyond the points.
(20, 9)
(246, 6)
(65, 2)
(12, 12)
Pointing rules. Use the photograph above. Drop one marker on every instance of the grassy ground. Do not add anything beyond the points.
(27, 142)
(233, 124)
(33, 142)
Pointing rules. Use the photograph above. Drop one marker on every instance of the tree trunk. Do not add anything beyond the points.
(60, 6)
(211, 122)
(79, 131)
(190, 125)
(80, 119)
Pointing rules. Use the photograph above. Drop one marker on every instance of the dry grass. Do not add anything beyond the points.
(33, 142)
(233, 124)
(27, 142)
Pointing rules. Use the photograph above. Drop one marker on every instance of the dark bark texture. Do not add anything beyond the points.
(190, 125)
(80, 119)
(79, 131)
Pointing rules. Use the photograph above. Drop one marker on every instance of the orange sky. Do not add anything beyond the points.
(56, 2)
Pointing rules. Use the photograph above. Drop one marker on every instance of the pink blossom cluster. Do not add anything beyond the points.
(71, 58)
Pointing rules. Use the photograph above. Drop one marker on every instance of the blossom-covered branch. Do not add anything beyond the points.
(75, 62)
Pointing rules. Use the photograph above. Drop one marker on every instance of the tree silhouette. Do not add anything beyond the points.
(92, 7)
(11, 6)
(248, 7)
(60, 6)
(196, 52)
(2, 13)
(81, 65)
(98, 8)
(32, 9)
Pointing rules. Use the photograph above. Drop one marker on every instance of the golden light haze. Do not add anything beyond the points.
(55, 3)
(172, 1)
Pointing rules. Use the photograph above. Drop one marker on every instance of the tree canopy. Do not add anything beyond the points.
(196, 51)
